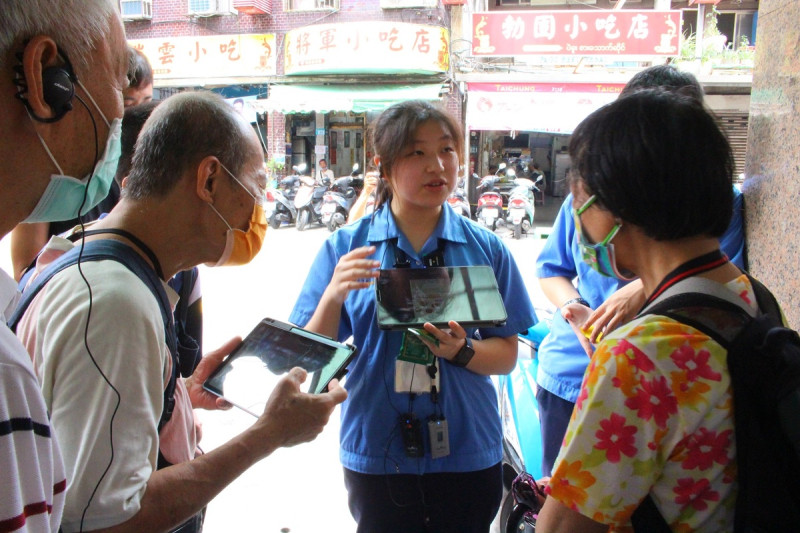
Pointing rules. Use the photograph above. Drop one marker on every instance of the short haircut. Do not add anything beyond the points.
(658, 160)
(132, 122)
(667, 77)
(394, 130)
(140, 73)
(181, 131)
(75, 25)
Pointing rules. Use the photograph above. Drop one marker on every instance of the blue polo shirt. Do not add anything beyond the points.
(370, 439)
(562, 360)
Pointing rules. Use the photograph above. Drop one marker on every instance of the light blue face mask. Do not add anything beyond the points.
(599, 256)
(64, 194)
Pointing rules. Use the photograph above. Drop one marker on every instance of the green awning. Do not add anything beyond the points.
(357, 98)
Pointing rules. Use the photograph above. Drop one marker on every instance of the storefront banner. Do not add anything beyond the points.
(209, 57)
(586, 33)
(373, 47)
(543, 107)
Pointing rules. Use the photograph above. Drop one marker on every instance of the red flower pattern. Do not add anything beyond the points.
(653, 399)
(695, 492)
(615, 437)
(695, 363)
(706, 448)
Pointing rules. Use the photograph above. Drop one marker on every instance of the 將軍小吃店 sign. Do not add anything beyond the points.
(378, 47)
(587, 33)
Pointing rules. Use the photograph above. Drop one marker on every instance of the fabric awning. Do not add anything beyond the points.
(357, 98)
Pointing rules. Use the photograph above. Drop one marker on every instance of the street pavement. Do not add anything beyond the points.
(299, 489)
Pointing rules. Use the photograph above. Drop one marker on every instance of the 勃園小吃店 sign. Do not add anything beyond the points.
(209, 56)
(587, 33)
(358, 47)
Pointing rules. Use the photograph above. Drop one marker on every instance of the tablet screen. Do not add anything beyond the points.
(246, 378)
(409, 297)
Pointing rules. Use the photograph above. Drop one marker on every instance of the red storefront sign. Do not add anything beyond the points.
(585, 33)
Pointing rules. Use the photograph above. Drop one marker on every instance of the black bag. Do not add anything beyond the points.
(764, 364)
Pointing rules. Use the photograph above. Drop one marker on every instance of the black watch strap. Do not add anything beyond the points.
(464, 355)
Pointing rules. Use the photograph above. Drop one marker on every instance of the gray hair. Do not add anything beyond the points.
(75, 25)
(183, 130)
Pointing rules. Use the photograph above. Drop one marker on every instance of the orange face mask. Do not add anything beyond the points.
(242, 246)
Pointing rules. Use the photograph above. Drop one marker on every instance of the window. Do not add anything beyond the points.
(207, 8)
(311, 5)
(136, 9)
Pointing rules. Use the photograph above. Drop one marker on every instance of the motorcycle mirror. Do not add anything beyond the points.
(501, 167)
(300, 168)
(355, 167)
(510, 172)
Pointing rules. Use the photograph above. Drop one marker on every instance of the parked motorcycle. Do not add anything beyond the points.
(490, 202)
(280, 202)
(308, 200)
(458, 201)
(338, 200)
(521, 206)
(522, 441)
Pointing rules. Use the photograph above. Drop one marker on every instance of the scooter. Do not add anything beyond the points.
(280, 202)
(308, 200)
(522, 440)
(521, 206)
(340, 198)
(490, 202)
(458, 201)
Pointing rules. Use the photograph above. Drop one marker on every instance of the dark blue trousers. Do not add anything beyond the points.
(432, 503)
(554, 415)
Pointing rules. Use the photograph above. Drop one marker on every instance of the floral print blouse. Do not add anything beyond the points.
(654, 415)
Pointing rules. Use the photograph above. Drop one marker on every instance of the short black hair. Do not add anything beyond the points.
(132, 122)
(658, 160)
(667, 77)
(140, 73)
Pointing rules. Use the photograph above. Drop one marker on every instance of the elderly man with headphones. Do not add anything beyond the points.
(104, 373)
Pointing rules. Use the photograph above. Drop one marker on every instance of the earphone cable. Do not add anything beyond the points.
(89, 316)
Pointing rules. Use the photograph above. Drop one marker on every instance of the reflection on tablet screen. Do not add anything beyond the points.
(248, 376)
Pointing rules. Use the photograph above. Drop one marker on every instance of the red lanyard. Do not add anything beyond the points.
(692, 267)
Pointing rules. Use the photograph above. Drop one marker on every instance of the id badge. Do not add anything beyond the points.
(411, 367)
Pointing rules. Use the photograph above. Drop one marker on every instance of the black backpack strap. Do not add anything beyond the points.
(106, 249)
(189, 347)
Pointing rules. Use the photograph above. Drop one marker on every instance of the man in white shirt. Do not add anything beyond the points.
(324, 172)
(62, 65)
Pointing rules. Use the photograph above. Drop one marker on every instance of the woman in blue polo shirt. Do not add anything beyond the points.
(393, 482)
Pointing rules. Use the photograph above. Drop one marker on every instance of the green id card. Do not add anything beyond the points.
(413, 350)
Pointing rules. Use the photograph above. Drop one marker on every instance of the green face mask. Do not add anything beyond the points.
(64, 194)
(600, 257)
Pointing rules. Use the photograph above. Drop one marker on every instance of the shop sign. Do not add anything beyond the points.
(543, 107)
(215, 56)
(585, 33)
(378, 47)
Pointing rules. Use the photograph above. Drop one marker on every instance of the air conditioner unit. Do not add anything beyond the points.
(136, 9)
(209, 8)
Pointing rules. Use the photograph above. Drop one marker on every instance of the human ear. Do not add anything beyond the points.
(206, 181)
(40, 53)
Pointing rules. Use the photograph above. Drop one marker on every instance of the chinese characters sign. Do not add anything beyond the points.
(586, 33)
(377, 47)
(217, 56)
(545, 107)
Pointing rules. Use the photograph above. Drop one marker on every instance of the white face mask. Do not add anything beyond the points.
(64, 194)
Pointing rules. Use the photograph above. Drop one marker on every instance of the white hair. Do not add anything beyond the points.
(75, 25)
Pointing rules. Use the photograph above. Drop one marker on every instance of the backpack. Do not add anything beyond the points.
(107, 249)
(764, 365)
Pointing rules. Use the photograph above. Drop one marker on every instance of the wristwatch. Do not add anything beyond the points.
(464, 355)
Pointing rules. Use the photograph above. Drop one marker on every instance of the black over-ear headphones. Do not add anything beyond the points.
(58, 88)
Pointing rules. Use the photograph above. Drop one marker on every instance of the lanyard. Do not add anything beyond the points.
(692, 267)
(433, 259)
(131, 237)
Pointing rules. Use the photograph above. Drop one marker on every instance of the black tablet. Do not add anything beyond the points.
(246, 378)
(409, 297)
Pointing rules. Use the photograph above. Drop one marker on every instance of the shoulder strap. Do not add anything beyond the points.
(122, 253)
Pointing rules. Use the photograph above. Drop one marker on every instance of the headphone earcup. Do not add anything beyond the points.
(58, 90)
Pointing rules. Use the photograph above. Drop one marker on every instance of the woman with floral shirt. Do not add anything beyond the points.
(651, 184)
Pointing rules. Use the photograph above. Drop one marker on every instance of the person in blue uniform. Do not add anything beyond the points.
(585, 297)
(399, 476)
